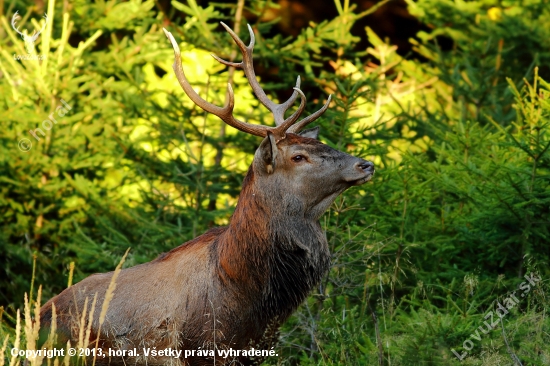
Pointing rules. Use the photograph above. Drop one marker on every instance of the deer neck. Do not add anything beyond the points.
(267, 221)
(272, 248)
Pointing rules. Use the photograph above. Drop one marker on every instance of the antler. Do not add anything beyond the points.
(278, 110)
(35, 35)
(226, 112)
(13, 20)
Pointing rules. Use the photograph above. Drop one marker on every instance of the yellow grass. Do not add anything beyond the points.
(27, 335)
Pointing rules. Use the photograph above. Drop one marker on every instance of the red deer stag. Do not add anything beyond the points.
(233, 286)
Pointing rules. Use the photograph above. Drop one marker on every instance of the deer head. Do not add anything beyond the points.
(295, 158)
(34, 36)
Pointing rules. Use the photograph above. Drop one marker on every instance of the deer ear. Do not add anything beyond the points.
(268, 153)
(312, 133)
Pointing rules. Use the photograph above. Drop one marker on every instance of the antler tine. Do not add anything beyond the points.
(290, 120)
(13, 20)
(290, 101)
(225, 113)
(280, 131)
(300, 125)
(247, 65)
(245, 50)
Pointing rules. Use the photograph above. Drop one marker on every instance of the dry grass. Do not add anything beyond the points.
(26, 335)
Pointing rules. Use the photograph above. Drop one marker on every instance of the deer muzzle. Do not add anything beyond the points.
(365, 170)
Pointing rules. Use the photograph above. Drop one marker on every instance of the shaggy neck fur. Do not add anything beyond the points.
(271, 251)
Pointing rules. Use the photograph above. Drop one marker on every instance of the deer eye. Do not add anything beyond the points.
(298, 158)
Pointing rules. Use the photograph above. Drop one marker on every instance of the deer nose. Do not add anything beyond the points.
(365, 166)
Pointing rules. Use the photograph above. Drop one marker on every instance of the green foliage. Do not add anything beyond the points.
(458, 212)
